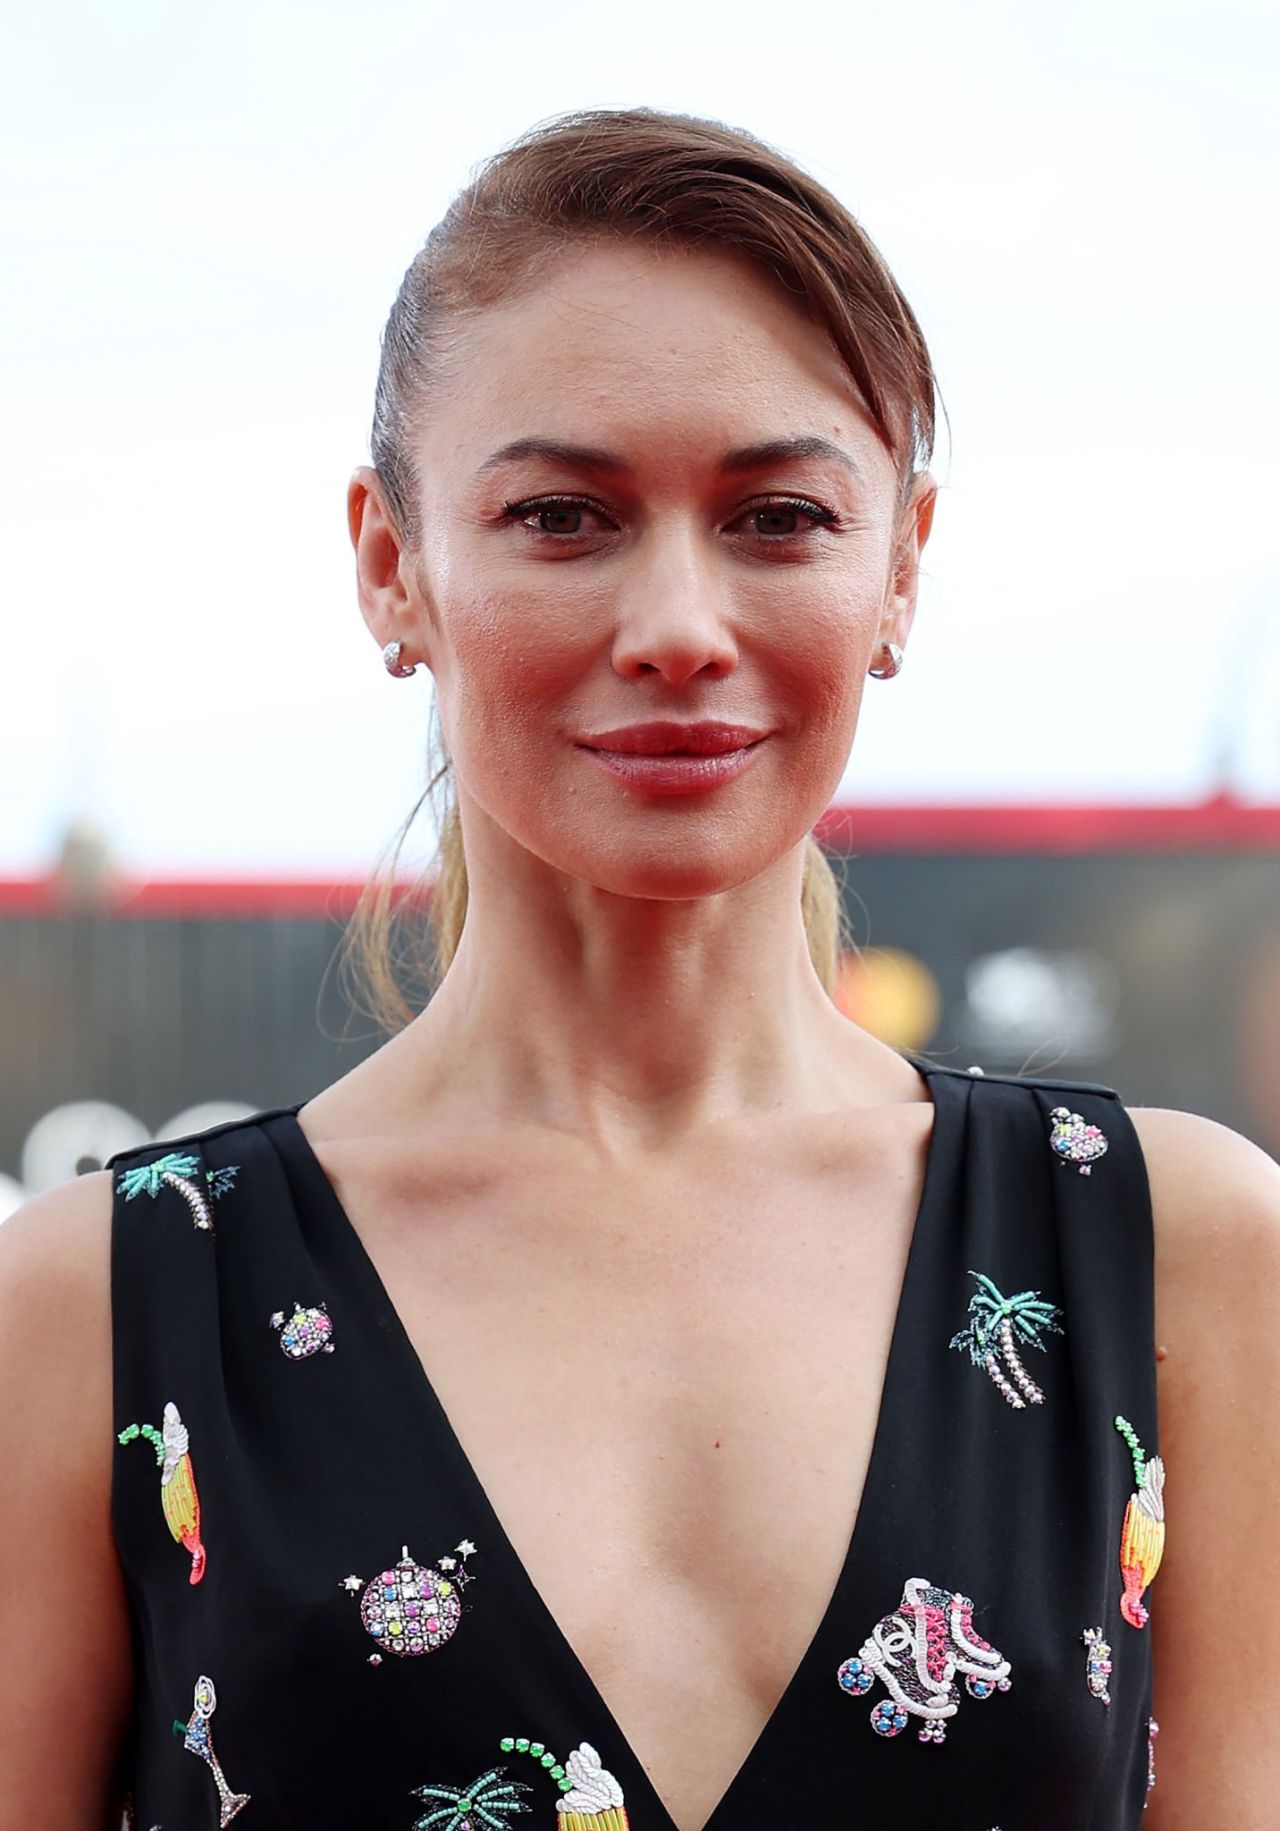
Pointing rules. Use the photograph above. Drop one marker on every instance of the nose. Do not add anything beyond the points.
(673, 609)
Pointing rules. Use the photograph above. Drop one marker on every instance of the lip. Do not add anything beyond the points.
(708, 737)
(674, 774)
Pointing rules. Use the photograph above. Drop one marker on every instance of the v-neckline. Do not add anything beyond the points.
(367, 1284)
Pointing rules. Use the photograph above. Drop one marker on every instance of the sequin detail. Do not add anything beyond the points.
(1153, 1730)
(997, 1323)
(178, 1495)
(915, 1653)
(305, 1332)
(1098, 1669)
(180, 1170)
(413, 1608)
(590, 1798)
(196, 1736)
(1142, 1536)
(1075, 1140)
(488, 1803)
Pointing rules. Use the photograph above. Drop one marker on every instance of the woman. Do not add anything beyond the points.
(513, 1400)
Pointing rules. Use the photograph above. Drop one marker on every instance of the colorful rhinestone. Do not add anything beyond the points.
(196, 1736)
(1098, 1669)
(412, 1609)
(305, 1332)
(916, 1653)
(1075, 1140)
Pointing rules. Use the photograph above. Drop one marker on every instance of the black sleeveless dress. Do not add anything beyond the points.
(332, 1631)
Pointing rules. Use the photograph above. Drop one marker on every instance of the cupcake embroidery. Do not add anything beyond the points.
(178, 1495)
(916, 1653)
(180, 1170)
(590, 1798)
(411, 1608)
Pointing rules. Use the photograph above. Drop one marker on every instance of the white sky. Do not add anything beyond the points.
(207, 211)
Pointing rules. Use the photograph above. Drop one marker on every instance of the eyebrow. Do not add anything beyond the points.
(743, 458)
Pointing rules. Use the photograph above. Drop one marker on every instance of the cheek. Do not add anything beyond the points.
(509, 675)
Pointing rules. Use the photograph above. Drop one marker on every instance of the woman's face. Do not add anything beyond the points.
(665, 579)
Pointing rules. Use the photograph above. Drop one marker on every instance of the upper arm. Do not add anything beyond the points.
(66, 1675)
(1216, 1203)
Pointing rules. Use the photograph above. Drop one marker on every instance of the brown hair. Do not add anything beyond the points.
(640, 174)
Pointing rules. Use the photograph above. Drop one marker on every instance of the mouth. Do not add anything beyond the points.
(676, 772)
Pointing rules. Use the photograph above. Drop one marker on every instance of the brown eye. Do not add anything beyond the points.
(769, 518)
(559, 513)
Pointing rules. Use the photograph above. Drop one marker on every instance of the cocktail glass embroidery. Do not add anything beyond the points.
(1075, 1140)
(178, 1496)
(196, 1736)
(1098, 1669)
(413, 1608)
(996, 1325)
(486, 1805)
(590, 1798)
(915, 1653)
(176, 1170)
(305, 1332)
(1143, 1533)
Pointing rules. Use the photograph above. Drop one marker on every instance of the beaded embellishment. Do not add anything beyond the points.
(996, 1325)
(305, 1332)
(1075, 1140)
(590, 1798)
(1142, 1536)
(488, 1802)
(413, 1608)
(916, 1653)
(196, 1737)
(180, 1170)
(1153, 1730)
(178, 1496)
(1098, 1670)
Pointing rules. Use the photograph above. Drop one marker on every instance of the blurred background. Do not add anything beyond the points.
(1059, 833)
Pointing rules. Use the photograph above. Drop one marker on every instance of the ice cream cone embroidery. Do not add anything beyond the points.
(1142, 1536)
(181, 1171)
(916, 1653)
(196, 1736)
(1076, 1141)
(997, 1323)
(1098, 1669)
(413, 1608)
(305, 1332)
(486, 1805)
(590, 1798)
(178, 1496)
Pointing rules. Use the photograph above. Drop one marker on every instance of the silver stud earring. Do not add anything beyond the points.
(895, 662)
(391, 657)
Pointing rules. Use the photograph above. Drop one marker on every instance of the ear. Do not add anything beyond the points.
(914, 527)
(384, 570)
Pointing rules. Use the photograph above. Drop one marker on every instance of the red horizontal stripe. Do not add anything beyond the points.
(1222, 825)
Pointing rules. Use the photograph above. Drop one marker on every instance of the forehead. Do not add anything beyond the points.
(694, 344)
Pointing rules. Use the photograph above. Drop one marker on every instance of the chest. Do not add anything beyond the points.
(668, 1385)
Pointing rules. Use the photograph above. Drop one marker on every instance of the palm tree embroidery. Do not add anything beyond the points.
(997, 1323)
(176, 1169)
(486, 1805)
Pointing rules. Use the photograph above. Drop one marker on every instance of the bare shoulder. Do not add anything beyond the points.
(1215, 1198)
(56, 1445)
(1215, 1194)
(64, 1231)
